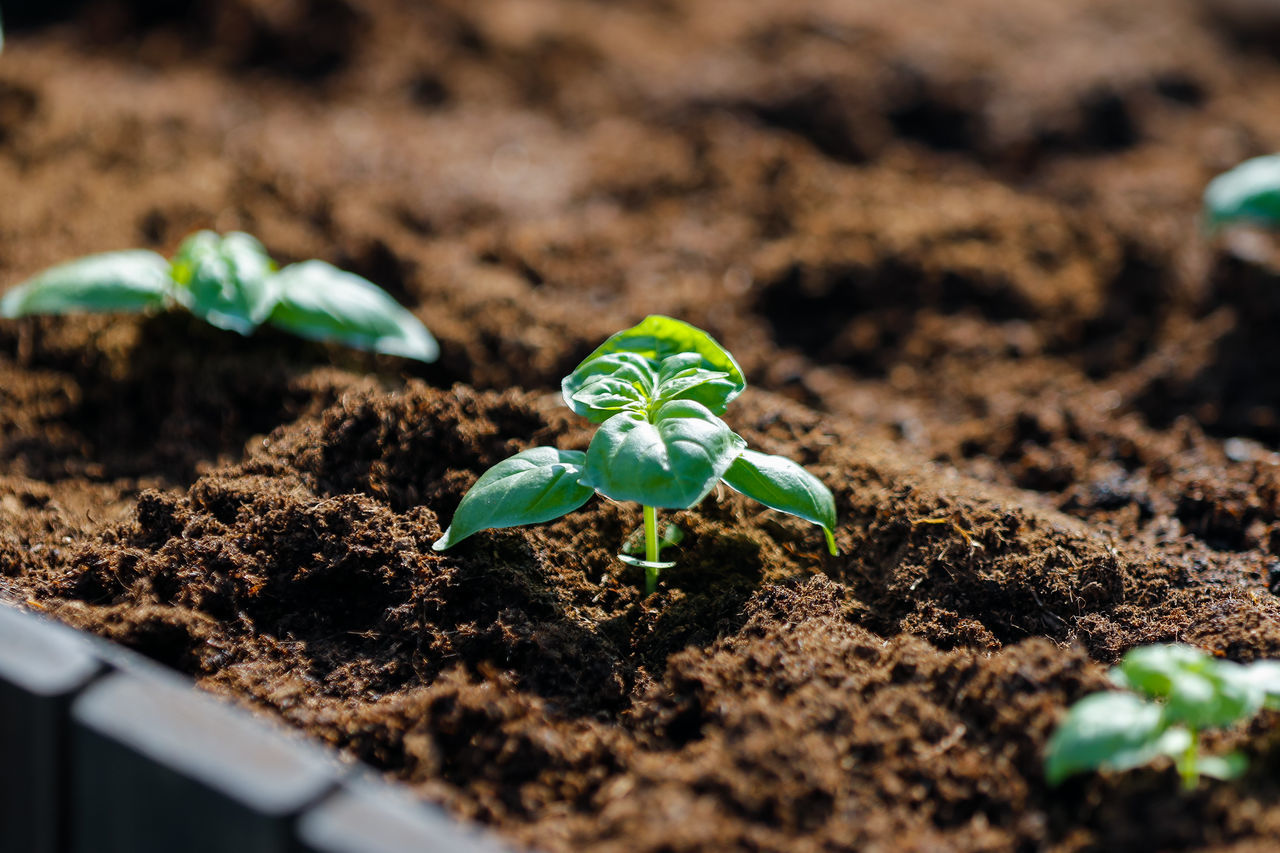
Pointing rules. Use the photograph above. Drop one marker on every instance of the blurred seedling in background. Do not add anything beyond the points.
(1242, 208)
(1168, 695)
(657, 391)
(230, 282)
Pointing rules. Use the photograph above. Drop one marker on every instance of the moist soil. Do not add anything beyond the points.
(955, 248)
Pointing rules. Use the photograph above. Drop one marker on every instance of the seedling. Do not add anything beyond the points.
(1177, 692)
(230, 282)
(1248, 195)
(657, 391)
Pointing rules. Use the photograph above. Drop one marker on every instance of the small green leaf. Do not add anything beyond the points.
(708, 387)
(628, 378)
(1248, 194)
(113, 281)
(605, 396)
(781, 484)
(320, 302)
(1225, 767)
(671, 462)
(1265, 675)
(657, 338)
(1152, 669)
(225, 280)
(535, 485)
(1115, 731)
(1199, 689)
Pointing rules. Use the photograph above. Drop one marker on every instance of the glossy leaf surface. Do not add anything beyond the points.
(672, 462)
(657, 338)
(113, 281)
(535, 485)
(600, 388)
(1248, 194)
(225, 280)
(1116, 731)
(781, 484)
(319, 302)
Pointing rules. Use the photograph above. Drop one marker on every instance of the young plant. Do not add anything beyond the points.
(1177, 692)
(230, 282)
(1249, 194)
(657, 391)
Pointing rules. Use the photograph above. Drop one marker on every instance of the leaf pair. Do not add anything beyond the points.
(1184, 692)
(230, 282)
(657, 391)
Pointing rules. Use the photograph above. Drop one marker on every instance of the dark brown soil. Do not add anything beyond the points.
(954, 246)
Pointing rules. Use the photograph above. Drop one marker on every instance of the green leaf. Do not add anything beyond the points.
(114, 281)
(533, 486)
(671, 462)
(781, 484)
(1248, 194)
(320, 302)
(225, 280)
(678, 379)
(1265, 675)
(1152, 669)
(599, 388)
(1225, 767)
(657, 338)
(1198, 689)
(1114, 731)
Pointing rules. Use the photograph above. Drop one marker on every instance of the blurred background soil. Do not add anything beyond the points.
(955, 248)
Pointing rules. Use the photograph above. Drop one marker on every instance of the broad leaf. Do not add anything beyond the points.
(629, 380)
(657, 338)
(114, 281)
(1115, 731)
(225, 280)
(781, 484)
(533, 486)
(1248, 194)
(320, 302)
(672, 462)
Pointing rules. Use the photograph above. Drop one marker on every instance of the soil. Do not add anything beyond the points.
(955, 248)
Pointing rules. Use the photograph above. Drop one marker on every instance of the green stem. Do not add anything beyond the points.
(1187, 763)
(650, 549)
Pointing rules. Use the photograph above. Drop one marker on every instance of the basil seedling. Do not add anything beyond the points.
(1249, 194)
(657, 391)
(1177, 692)
(230, 282)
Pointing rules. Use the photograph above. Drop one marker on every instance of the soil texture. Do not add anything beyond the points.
(953, 245)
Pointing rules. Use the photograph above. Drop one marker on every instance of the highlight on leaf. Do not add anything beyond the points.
(1249, 194)
(656, 390)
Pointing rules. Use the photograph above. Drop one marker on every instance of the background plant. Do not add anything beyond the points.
(230, 281)
(657, 391)
(1249, 194)
(1168, 695)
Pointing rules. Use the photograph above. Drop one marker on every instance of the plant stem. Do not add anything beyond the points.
(1187, 763)
(650, 549)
